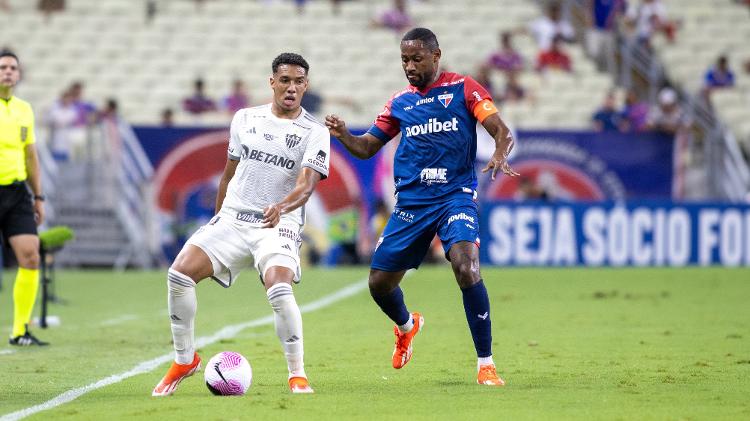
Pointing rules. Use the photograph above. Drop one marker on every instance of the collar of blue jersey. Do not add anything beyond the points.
(437, 82)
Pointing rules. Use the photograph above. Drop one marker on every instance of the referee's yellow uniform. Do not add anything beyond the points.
(16, 211)
(16, 131)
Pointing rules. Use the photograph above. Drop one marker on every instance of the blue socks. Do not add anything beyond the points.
(393, 305)
(477, 308)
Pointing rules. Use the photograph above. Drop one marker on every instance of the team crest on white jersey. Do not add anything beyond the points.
(292, 140)
(445, 99)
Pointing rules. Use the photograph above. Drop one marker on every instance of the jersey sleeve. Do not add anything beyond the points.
(234, 151)
(318, 153)
(478, 100)
(385, 127)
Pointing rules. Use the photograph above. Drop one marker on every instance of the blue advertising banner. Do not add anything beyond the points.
(588, 166)
(554, 165)
(615, 234)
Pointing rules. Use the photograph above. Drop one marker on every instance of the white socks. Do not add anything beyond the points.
(182, 305)
(288, 320)
(408, 326)
(484, 361)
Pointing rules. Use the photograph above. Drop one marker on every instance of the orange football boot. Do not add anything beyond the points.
(402, 351)
(300, 385)
(176, 373)
(488, 376)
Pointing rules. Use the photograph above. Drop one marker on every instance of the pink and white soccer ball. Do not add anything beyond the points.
(228, 373)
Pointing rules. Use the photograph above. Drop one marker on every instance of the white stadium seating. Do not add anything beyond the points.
(108, 45)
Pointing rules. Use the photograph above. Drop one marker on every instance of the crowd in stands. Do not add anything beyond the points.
(634, 115)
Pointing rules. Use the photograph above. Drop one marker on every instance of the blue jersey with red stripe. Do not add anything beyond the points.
(435, 159)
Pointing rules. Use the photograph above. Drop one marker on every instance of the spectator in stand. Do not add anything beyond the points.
(313, 102)
(635, 112)
(167, 117)
(647, 18)
(555, 58)
(668, 116)
(60, 119)
(546, 28)
(85, 110)
(719, 76)
(528, 189)
(109, 112)
(237, 99)
(607, 118)
(396, 19)
(484, 78)
(600, 35)
(199, 102)
(513, 91)
(507, 59)
(47, 7)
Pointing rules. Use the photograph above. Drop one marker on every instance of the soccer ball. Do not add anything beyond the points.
(228, 373)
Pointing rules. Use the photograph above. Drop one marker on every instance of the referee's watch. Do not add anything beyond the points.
(40, 197)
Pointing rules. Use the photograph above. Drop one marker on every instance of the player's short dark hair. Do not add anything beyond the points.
(427, 37)
(8, 53)
(291, 59)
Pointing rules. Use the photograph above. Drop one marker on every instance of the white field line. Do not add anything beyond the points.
(7, 351)
(120, 319)
(146, 366)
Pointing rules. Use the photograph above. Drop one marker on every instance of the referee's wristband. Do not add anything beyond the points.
(40, 197)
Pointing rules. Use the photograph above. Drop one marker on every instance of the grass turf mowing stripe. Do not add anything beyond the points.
(146, 366)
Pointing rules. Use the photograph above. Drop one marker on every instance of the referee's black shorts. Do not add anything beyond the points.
(16, 210)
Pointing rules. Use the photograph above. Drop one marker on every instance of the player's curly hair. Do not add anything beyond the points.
(290, 58)
(422, 34)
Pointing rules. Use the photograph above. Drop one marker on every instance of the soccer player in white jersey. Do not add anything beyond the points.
(278, 153)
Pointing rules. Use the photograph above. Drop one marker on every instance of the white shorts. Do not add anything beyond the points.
(233, 244)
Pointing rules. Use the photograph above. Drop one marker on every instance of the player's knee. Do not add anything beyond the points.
(466, 270)
(183, 269)
(382, 283)
(28, 259)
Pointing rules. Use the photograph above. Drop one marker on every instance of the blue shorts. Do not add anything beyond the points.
(410, 230)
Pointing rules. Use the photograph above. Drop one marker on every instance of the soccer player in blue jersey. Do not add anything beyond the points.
(435, 187)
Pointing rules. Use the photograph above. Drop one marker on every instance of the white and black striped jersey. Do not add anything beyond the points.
(272, 151)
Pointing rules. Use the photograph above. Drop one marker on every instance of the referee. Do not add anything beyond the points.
(20, 210)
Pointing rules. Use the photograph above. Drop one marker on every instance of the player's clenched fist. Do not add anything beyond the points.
(336, 126)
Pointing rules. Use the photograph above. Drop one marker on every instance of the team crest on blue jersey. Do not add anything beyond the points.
(292, 140)
(445, 99)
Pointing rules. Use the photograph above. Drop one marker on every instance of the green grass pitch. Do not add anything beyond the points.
(640, 344)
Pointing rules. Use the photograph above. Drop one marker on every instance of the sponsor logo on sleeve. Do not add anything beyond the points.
(24, 133)
(319, 160)
(477, 96)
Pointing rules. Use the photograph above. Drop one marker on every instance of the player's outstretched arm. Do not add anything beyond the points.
(362, 147)
(306, 181)
(229, 170)
(503, 145)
